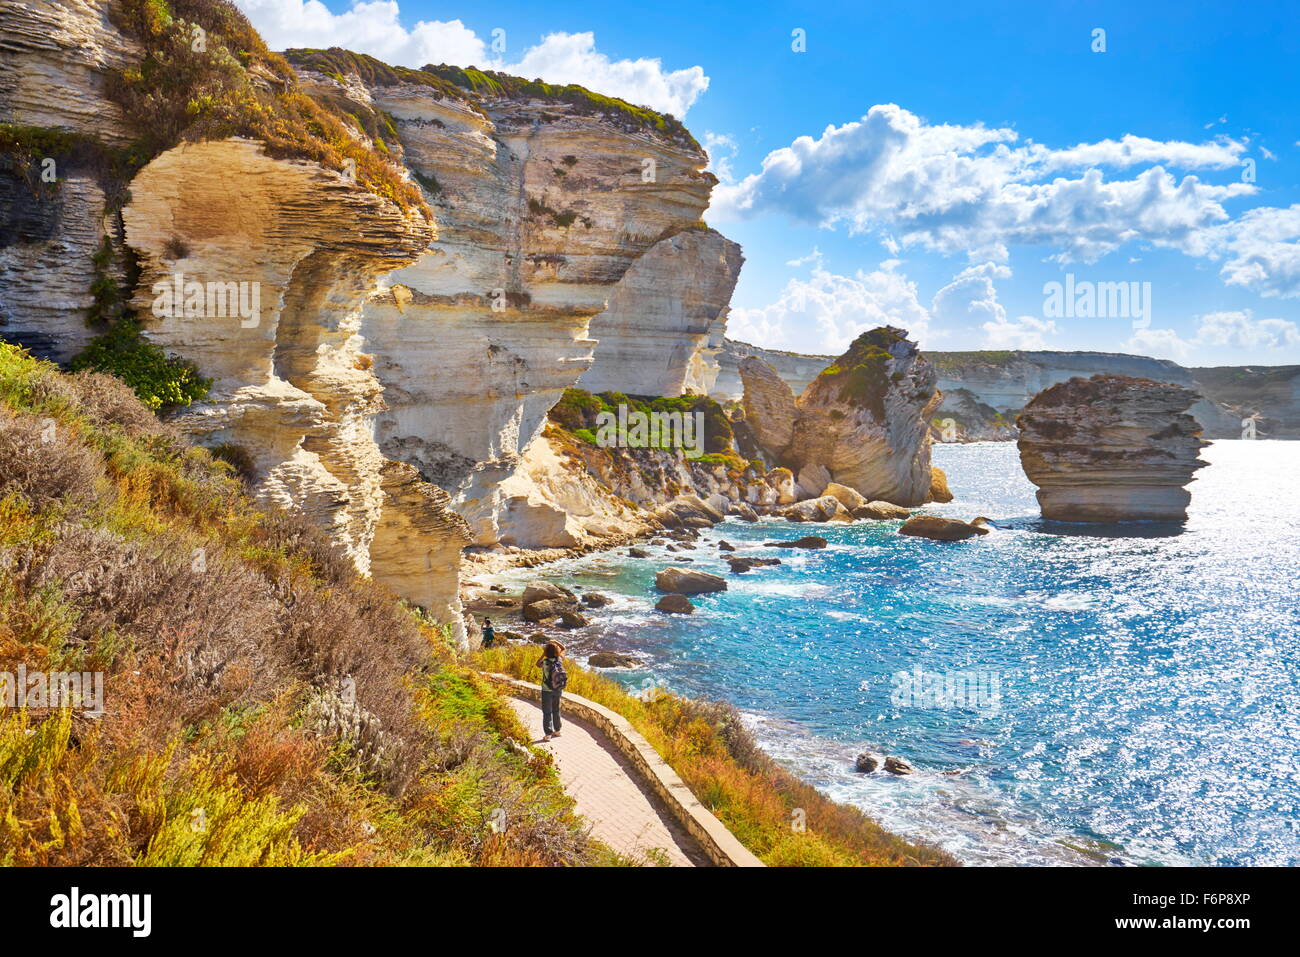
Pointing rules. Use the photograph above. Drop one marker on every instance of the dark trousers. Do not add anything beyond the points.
(550, 711)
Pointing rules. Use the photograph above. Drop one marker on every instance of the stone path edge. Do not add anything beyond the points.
(718, 843)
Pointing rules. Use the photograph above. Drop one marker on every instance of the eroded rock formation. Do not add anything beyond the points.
(292, 386)
(1111, 449)
(54, 55)
(863, 422)
(655, 338)
(543, 212)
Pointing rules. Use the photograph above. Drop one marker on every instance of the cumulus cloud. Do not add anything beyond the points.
(977, 190)
(369, 26)
(1027, 332)
(1240, 330)
(824, 313)
(1233, 330)
(1260, 250)
(374, 27)
(1159, 343)
(972, 297)
(722, 149)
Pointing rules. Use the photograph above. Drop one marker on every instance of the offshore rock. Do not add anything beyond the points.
(1111, 449)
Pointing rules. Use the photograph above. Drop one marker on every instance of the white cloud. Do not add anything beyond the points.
(1260, 250)
(1027, 332)
(972, 189)
(369, 26)
(1233, 330)
(374, 27)
(1158, 343)
(1240, 330)
(826, 312)
(573, 58)
(722, 149)
(1132, 150)
(971, 297)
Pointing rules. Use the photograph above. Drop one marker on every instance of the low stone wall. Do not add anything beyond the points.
(718, 843)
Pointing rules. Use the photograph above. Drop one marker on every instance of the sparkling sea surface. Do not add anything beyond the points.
(1129, 691)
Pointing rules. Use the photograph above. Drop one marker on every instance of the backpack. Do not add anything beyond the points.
(554, 677)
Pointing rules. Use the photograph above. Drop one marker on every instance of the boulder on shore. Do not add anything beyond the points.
(1111, 449)
(897, 766)
(744, 512)
(824, 509)
(543, 591)
(594, 599)
(612, 659)
(688, 511)
(637, 553)
(574, 619)
(741, 565)
(808, 541)
(939, 491)
(545, 610)
(849, 498)
(685, 581)
(813, 480)
(881, 511)
(942, 529)
(675, 604)
(865, 763)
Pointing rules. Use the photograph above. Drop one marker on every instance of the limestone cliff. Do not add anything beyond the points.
(548, 212)
(293, 387)
(387, 377)
(654, 337)
(863, 422)
(251, 258)
(983, 390)
(1005, 381)
(54, 58)
(1111, 449)
(796, 369)
(1270, 395)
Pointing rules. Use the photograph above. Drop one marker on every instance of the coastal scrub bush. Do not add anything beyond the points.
(219, 627)
(228, 83)
(161, 381)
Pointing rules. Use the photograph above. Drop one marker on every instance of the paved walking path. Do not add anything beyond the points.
(620, 808)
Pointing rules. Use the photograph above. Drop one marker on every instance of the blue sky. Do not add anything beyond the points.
(950, 190)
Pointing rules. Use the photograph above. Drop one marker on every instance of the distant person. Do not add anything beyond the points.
(489, 635)
(554, 678)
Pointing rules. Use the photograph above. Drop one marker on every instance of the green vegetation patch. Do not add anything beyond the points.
(206, 74)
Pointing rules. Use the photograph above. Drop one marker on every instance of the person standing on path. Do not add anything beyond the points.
(489, 635)
(554, 678)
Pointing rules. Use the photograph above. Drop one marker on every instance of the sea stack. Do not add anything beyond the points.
(863, 423)
(1111, 449)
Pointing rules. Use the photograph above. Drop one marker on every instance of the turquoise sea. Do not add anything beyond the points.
(1068, 694)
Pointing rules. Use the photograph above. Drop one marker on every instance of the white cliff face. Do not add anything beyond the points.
(282, 273)
(795, 369)
(356, 354)
(1006, 381)
(53, 56)
(542, 211)
(657, 335)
